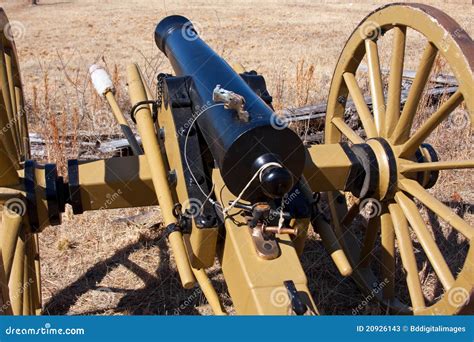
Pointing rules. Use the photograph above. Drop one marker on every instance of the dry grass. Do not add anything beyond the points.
(119, 263)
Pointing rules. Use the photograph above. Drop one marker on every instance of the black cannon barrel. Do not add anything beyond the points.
(239, 148)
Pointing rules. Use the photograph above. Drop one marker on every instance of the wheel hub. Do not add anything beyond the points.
(377, 159)
(380, 173)
(426, 154)
(387, 168)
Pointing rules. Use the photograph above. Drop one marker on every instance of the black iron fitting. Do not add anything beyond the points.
(73, 189)
(297, 305)
(171, 228)
(261, 212)
(30, 185)
(57, 192)
(53, 196)
(136, 106)
(364, 177)
(257, 83)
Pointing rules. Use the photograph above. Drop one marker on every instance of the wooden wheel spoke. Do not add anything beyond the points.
(23, 125)
(33, 297)
(4, 292)
(369, 241)
(402, 129)
(444, 212)
(426, 240)
(17, 275)
(11, 88)
(9, 69)
(436, 166)
(430, 125)
(9, 139)
(347, 131)
(27, 309)
(30, 272)
(351, 214)
(407, 255)
(388, 253)
(18, 265)
(395, 78)
(37, 267)
(362, 108)
(11, 224)
(6, 79)
(376, 85)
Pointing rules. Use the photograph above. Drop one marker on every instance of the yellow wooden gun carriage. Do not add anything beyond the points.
(235, 183)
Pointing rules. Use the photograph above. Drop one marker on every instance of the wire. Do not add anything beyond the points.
(208, 196)
(141, 103)
(281, 220)
(258, 173)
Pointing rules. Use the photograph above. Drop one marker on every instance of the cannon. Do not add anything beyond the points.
(239, 146)
(235, 183)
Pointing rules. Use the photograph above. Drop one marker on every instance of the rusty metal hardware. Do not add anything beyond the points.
(231, 101)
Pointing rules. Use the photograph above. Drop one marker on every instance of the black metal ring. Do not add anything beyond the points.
(355, 179)
(74, 188)
(30, 189)
(366, 183)
(434, 158)
(172, 227)
(52, 194)
(392, 166)
(141, 103)
(316, 197)
(177, 210)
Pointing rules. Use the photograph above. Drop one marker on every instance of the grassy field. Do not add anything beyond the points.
(119, 263)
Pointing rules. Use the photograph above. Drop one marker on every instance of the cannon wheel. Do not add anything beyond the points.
(390, 125)
(19, 254)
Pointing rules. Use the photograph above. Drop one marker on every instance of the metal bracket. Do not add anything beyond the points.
(54, 194)
(232, 101)
(177, 97)
(297, 305)
(74, 188)
(265, 244)
(258, 85)
(30, 186)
